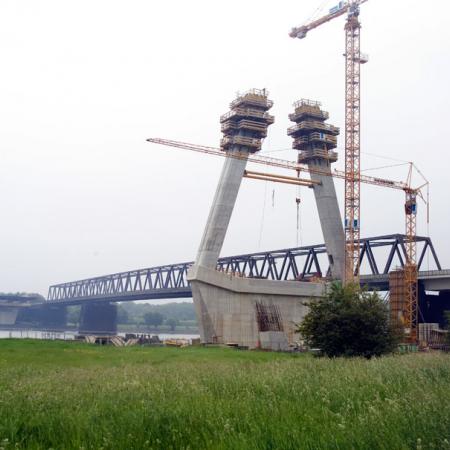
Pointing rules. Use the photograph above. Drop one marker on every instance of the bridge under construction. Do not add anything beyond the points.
(238, 299)
(257, 299)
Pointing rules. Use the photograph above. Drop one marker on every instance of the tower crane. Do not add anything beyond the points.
(410, 310)
(353, 60)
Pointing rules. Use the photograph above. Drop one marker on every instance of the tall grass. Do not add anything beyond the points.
(74, 396)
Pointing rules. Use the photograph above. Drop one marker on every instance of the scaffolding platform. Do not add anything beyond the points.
(314, 138)
(245, 125)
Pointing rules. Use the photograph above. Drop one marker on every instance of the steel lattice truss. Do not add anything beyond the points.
(170, 281)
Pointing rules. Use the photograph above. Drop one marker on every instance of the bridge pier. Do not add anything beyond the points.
(8, 315)
(98, 318)
(53, 317)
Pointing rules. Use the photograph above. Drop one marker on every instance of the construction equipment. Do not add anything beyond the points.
(279, 163)
(409, 321)
(410, 275)
(353, 60)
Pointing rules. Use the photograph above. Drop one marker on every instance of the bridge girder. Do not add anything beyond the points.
(169, 281)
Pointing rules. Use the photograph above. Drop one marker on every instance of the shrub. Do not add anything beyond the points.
(349, 321)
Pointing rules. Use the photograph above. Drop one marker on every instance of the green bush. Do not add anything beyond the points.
(349, 321)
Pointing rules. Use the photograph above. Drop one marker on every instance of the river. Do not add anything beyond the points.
(70, 335)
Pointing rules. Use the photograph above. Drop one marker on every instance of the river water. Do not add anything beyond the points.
(70, 335)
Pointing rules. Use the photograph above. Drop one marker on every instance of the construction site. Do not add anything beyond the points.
(232, 307)
(257, 299)
(221, 232)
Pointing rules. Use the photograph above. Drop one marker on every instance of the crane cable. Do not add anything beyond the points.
(298, 201)
(261, 227)
(317, 11)
(298, 234)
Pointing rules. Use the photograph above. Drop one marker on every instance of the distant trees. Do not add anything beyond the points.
(122, 314)
(73, 314)
(31, 296)
(349, 321)
(153, 319)
(172, 323)
(184, 312)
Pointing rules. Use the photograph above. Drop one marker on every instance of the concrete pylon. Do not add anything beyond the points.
(221, 211)
(243, 127)
(315, 140)
(226, 303)
(329, 216)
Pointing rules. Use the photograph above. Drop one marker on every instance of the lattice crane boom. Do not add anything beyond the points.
(339, 10)
(262, 159)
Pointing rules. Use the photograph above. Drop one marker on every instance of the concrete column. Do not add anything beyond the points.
(330, 216)
(220, 213)
(8, 315)
(53, 316)
(98, 318)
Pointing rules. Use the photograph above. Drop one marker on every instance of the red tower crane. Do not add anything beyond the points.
(353, 60)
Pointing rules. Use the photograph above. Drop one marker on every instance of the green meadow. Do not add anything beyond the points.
(66, 395)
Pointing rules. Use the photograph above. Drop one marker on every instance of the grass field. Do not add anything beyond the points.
(64, 395)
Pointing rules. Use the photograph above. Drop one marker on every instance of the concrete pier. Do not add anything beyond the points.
(98, 318)
(54, 316)
(8, 315)
(225, 305)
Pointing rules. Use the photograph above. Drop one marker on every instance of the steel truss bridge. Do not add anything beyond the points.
(379, 255)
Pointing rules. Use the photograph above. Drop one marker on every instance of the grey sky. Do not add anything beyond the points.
(84, 83)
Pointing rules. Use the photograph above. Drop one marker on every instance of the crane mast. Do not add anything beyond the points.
(352, 144)
(353, 60)
(410, 269)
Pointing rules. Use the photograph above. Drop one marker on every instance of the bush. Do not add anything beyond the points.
(349, 321)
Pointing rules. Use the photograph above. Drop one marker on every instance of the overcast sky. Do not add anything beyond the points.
(84, 83)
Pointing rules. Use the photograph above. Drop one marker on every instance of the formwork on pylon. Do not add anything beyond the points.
(314, 138)
(245, 125)
(397, 297)
(315, 141)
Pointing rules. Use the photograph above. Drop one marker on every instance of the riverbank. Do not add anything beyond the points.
(70, 395)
